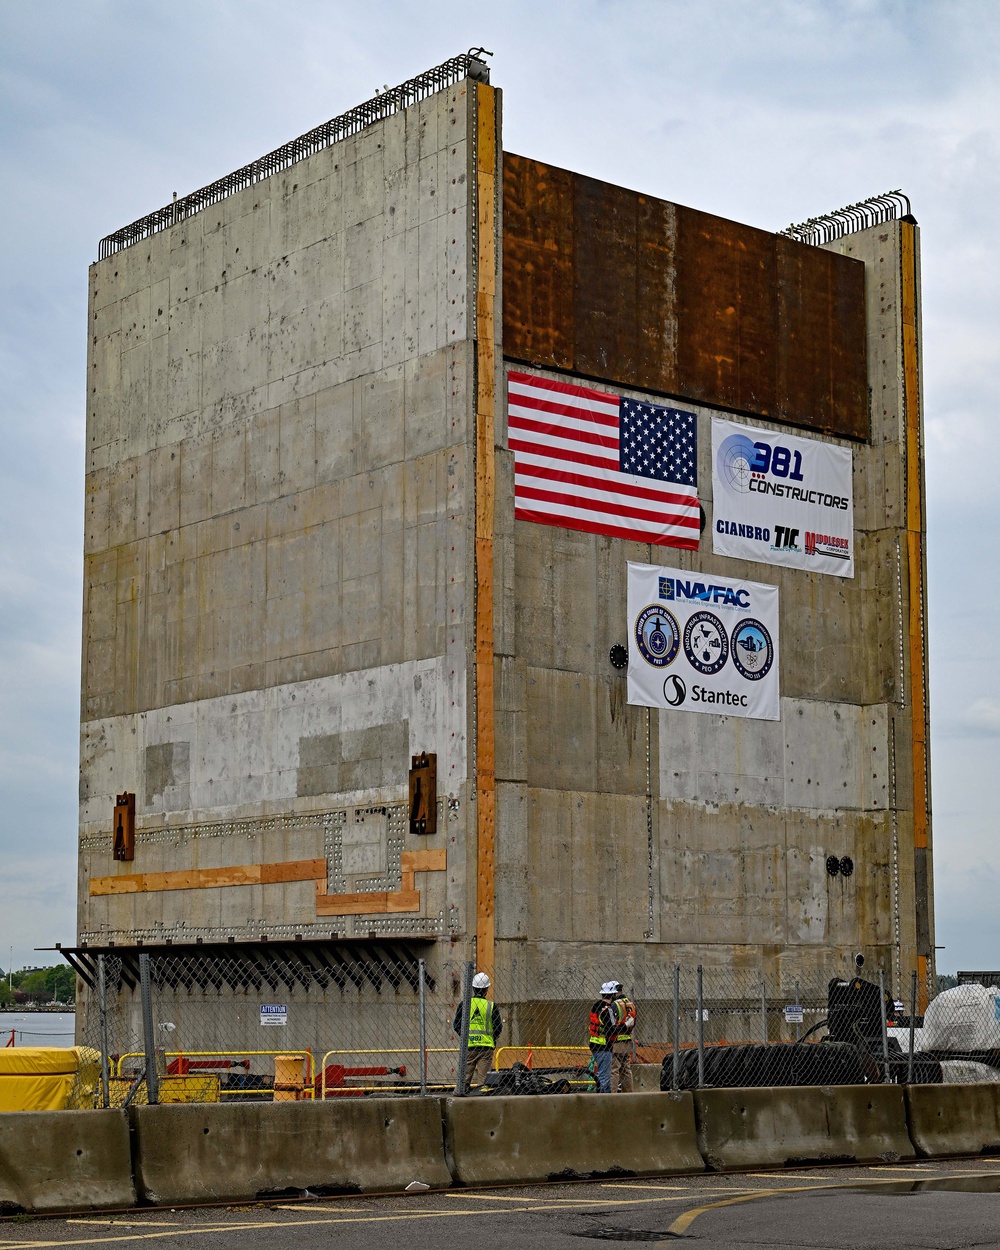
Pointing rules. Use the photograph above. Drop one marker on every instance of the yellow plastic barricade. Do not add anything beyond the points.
(39, 1078)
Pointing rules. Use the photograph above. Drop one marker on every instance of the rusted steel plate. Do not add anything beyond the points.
(727, 313)
(822, 361)
(605, 294)
(606, 283)
(538, 263)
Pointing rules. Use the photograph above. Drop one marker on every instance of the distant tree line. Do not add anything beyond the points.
(38, 986)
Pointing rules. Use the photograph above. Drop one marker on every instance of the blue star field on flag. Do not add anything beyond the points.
(658, 442)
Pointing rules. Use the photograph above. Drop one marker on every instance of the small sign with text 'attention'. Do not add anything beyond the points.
(273, 1013)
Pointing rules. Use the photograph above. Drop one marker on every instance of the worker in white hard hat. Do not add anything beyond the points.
(623, 1045)
(603, 1023)
(485, 1026)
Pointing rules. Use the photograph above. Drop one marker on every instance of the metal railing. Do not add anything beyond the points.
(468, 65)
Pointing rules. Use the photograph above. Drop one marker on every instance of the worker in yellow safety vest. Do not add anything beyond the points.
(622, 1046)
(485, 1026)
(604, 1022)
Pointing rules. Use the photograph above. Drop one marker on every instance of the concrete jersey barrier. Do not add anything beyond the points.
(512, 1140)
(954, 1119)
(211, 1152)
(645, 1076)
(64, 1161)
(740, 1128)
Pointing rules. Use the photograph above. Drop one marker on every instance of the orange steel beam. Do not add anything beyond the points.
(486, 266)
(915, 569)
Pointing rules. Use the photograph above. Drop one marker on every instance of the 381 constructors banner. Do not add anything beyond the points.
(782, 499)
(702, 643)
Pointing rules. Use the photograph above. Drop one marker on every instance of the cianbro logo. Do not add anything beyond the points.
(675, 588)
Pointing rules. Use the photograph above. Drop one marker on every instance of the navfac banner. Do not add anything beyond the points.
(781, 499)
(702, 643)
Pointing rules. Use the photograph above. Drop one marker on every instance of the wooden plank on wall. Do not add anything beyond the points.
(209, 878)
(486, 289)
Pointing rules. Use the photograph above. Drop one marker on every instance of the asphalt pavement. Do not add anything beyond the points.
(937, 1206)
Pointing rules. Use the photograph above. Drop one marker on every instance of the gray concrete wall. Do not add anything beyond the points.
(724, 862)
(278, 549)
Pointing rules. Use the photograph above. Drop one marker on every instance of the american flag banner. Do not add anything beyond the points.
(596, 461)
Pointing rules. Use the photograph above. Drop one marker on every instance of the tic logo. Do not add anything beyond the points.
(753, 651)
(657, 635)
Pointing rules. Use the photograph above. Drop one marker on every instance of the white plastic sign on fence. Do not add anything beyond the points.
(274, 1013)
(794, 1015)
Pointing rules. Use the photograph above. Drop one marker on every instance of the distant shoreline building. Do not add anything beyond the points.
(315, 552)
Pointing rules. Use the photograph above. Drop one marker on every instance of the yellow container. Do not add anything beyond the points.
(289, 1078)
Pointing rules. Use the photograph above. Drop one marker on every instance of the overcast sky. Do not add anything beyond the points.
(764, 111)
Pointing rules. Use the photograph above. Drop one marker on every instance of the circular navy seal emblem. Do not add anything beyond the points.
(657, 635)
(706, 643)
(753, 651)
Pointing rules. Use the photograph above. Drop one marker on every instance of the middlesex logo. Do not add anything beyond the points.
(827, 545)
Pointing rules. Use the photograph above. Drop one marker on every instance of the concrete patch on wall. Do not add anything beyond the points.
(359, 759)
(820, 756)
(246, 749)
(168, 776)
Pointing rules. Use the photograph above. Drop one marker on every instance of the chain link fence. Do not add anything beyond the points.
(298, 1023)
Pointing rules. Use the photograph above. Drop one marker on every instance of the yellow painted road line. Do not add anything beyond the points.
(472, 1197)
(897, 1167)
(124, 1223)
(630, 1185)
(308, 1206)
(715, 1189)
(684, 1222)
(244, 1225)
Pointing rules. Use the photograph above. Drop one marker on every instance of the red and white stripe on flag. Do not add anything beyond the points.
(565, 440)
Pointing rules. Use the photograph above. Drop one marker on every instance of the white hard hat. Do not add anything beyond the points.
(480, 981)
(609, 987)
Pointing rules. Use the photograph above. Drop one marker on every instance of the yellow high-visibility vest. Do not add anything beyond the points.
(480, 1022)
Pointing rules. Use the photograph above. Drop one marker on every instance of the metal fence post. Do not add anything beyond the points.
(763, 1012)
(913, 1012)
(421, 971)
(798, 1003)
(149, 1042)
(677, 1026)
(701, 1027)
(885, 1035)
(463, 1045)
(102, 1006)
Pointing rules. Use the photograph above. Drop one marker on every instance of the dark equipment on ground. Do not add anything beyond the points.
(520, 1079)
(852, 1053)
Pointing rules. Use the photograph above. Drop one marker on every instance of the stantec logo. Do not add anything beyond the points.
(676, 588)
